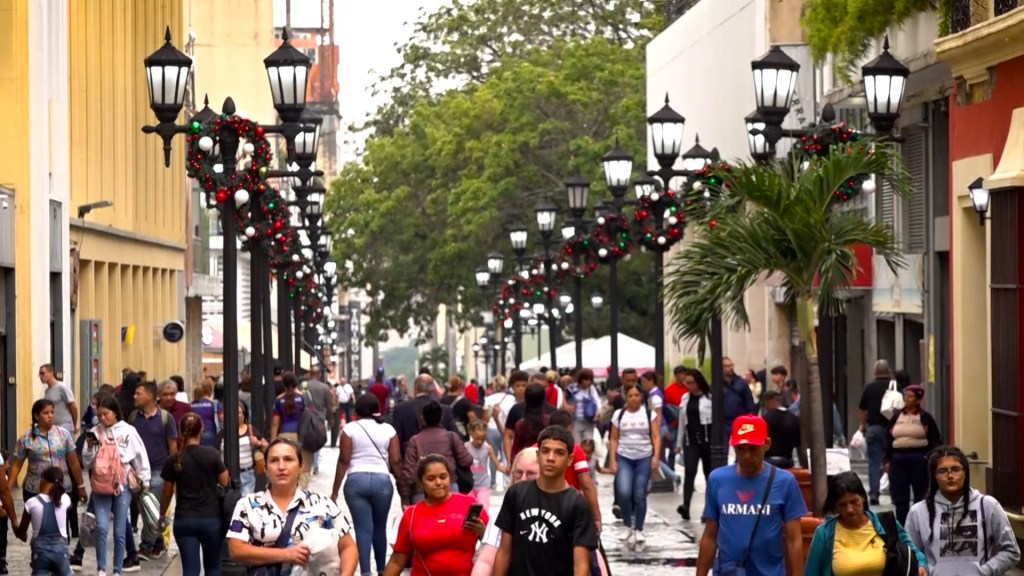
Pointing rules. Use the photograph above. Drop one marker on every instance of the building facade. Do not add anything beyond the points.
(130, 250)
(985, 50)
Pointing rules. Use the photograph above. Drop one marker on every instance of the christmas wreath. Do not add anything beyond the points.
(819, 144)
(703, 189)
(645, 220)
(610, 237)
(578, 247)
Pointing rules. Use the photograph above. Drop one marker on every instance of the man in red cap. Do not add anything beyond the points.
(747, 506)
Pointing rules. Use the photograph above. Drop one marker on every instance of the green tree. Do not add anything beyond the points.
(779, 218)
(428, 201)
(437, 360)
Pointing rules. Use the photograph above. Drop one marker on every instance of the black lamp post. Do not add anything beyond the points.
(618, 168)
(577, 189)
(518, 236)
(495, 266)
(546, 215)
(167, 72)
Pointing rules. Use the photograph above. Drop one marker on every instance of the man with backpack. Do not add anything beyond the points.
(159, 434)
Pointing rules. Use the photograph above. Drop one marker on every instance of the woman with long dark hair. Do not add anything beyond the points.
(694, 436)
(634, 448)
(192, 476)
(369, 457)
(288, 409)
(47, 512)
(42, 446)
(911, 436)
(533, 421)
(851, 541)
(960, 530)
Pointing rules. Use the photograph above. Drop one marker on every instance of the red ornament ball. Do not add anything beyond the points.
(221, 196)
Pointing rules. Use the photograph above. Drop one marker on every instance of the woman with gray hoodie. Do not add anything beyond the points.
(961, 531)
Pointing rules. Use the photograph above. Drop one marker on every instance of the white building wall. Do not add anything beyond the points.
(702, 61)
(49, 166)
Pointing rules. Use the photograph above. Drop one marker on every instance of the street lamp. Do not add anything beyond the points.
(666, 132)
(547, 213)
(166, 76)
(775, 76)
(568, 231)
(518, 235)
(288, 72)
(618, 168)
(495, 263)
(577, 190)
(696, 158)
(885, 81)
(760, 150)
(979, 198)
(644, 186)
(596, 301)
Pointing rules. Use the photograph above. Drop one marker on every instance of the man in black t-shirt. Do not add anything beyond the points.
(547, 526)
(783, 429)
(874, 426)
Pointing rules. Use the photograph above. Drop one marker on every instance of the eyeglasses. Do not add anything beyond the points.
(954, 470)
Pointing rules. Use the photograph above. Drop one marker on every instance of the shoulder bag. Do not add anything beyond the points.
(281, 542)
(899, 558)
(740, 568)
(463, 475)
(387, 462)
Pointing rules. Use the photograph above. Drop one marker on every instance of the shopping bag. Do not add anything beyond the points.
(149, 508)
(87, 530)
(883, 484)
(892, 400)
(323, 553)
(858, 446)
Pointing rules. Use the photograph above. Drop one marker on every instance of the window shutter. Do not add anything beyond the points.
(886, 210)
(914, 152)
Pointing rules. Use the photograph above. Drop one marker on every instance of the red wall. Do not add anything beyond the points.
(980, 128)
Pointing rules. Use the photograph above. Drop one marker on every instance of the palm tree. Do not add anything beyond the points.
(784, 218)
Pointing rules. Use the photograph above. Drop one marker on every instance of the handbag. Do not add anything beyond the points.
(899, 558)
(892, 400)
(281, 542)
(740, 568)
(463, 475)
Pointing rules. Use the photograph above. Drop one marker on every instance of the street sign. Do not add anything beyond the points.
(174, 331)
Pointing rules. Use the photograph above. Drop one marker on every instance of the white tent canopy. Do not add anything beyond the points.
(597, 355)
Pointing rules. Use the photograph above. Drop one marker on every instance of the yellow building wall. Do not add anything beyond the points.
(971, 312)
(125, 282)
(14, 173)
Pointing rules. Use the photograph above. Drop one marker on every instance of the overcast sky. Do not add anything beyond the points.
(366, 32)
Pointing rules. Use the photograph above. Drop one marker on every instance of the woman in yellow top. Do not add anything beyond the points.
(851, 541)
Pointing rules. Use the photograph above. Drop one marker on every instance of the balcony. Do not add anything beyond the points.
(983, 33)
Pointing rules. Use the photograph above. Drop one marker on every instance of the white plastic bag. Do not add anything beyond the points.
(892, 401)
(87, 530)
(883, 485)
(323, 553)
(858, 446)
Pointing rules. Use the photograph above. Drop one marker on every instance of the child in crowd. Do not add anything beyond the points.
(481, 452)
(589, 449)
(48, 514)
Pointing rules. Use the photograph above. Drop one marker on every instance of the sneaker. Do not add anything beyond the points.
(627, 536)
(76, 563)
(684, 511)
(638, 539)
(101, 573)
(146, 555)
(617, 511)
(131, 565)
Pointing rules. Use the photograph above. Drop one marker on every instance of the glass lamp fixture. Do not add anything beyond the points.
(330, 268)
(565, 300)
(539, 308)
(166, 76)
(307, 141)
(885, 82)
(979, 197)
(288, 72)
(756, 141)
(666, 134)
(696, 158)
(315, 200)
(577, 189)
(644, 186)
(495, 263)
(483, 276)
(618, 167)
(568, 232)
(596, 300)
(546, 213)
(518, 235)
(775, 76)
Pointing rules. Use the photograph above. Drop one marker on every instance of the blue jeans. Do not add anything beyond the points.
(191, 534)
(875, 439)
(494, 439)
(104, 505)
(631, 482)
(248, 480)
(50, 556)
(368, 496)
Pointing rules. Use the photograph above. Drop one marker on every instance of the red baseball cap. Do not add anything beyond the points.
(749, 430)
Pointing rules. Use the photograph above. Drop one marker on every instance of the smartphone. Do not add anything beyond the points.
(91, 434)
(474, 512)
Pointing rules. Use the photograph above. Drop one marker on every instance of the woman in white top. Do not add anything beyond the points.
(633, 451)
(133, 457)
(369, 455)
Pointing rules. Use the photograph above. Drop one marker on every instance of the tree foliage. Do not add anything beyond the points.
(847, 28)
(784, 219)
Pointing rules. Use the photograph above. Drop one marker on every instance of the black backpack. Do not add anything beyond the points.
(900, 559)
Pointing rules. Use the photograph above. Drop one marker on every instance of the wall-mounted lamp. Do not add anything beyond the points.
(86, 208)
(979, 197)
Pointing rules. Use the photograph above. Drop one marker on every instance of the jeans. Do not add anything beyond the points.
(875, 439)
(156, 487)
(907, 470)
(368, 496)
(191, 534)
(248, 480)
(119, 504)
(631, 482)
(494, 439)
(50, 556)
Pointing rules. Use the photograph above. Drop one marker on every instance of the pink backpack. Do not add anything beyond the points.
(107, 469)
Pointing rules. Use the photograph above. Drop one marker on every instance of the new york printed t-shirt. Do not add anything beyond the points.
(733, 500)
(545, 528)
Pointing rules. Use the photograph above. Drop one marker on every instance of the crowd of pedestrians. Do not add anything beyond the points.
(141, 453)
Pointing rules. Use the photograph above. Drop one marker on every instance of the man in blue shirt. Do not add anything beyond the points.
(733, 505)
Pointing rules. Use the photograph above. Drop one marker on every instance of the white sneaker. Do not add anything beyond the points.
(101, 573)
(626, 537)
(638, 538)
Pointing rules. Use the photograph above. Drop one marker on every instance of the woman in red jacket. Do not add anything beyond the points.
(435, 532)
